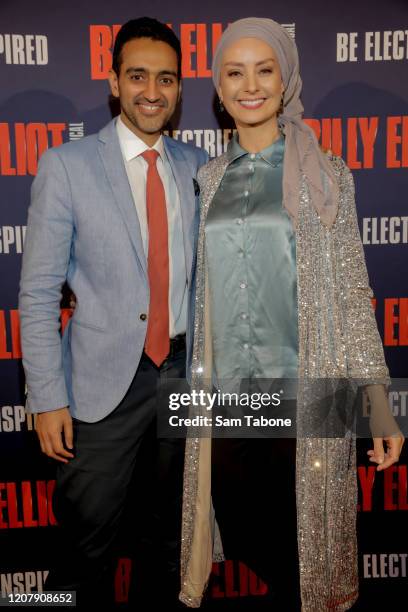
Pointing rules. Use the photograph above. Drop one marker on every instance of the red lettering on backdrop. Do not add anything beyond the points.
(21, 149)
(359, 130)
(186, 32)
(15, 334)
(20, 508)
(14, 342)
(21, 145)
(216, 35)
(397, 142)
(396, 323)
(239, 581)
(366, 477)
(331, 135)
(13, 521)
(230, 588)
(256, 585)
(403, 321)
(37, 143)
(45, 511)
(102, 39)
(4, 353)
(3, 506)
(368, 129)
(395, 489)
(389, 487)
(56, 130)
(216, 586)
(193, 40)
(352, 160)
(27, 498)
(395, 326)
(122, 580)
(403, 487)
(5, 155)
(243, 579)
(390, 321)
(202, 52)
(199, 48)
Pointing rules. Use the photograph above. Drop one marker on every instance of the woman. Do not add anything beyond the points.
(282, 292)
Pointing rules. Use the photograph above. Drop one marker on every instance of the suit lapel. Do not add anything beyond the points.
(184, 180)
(112, 159)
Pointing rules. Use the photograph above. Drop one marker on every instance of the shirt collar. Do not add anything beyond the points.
(132, 145)
(273, 154)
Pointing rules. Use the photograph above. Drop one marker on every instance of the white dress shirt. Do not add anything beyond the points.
(136, 167)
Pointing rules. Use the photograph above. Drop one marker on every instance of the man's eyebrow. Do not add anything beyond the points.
(160, 73)
(135, 69)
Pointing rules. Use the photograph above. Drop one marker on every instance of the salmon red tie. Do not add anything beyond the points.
(157, 343)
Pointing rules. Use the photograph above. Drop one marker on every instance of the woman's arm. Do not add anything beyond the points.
(365, 352)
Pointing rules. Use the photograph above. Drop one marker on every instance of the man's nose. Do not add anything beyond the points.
(151, 92)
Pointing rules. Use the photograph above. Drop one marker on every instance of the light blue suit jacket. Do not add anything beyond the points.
(83, 228)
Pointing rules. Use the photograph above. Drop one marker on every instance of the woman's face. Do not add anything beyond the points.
(251, 85)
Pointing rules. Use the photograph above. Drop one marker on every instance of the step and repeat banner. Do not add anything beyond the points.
(54, 60)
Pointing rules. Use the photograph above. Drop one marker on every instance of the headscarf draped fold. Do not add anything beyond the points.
(302, 151)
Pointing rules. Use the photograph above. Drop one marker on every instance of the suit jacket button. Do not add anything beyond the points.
(143, 316)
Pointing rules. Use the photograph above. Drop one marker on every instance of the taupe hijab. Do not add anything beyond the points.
(302, 151)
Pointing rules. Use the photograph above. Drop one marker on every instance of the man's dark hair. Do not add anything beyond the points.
(144, 27)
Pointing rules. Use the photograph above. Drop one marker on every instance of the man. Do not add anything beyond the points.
(114, 215)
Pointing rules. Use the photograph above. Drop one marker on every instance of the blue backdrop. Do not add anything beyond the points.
(54, 58)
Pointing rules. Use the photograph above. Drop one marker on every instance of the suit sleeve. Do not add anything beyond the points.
(204, 158)
(45, 263)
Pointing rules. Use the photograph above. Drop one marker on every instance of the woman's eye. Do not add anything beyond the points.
(266, 71)
(234, 73)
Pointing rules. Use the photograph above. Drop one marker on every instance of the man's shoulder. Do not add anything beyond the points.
(76, 148)
(84, 147)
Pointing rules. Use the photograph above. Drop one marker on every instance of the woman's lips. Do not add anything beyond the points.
(251, 104)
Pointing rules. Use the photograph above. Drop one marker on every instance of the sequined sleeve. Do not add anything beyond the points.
(364, 347)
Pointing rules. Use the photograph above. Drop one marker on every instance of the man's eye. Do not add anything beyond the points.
(166, 81)
(136, 77)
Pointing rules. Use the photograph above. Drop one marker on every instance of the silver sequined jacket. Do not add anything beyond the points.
(338, 339)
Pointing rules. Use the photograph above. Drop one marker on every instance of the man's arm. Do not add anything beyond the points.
(45, 263)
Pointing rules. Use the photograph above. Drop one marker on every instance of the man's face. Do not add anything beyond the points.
(147, 86)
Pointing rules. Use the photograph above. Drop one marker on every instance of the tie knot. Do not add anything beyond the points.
(150, 155)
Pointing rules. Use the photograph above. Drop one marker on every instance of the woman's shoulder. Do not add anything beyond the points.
(338, 164)
(211, 169)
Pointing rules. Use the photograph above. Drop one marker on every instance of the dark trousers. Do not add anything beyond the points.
(253, 490)
(92, 489)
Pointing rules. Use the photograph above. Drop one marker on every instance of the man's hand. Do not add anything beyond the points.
(391, 455)
(49, 427)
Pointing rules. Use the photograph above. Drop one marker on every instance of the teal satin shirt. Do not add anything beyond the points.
(251, 255)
